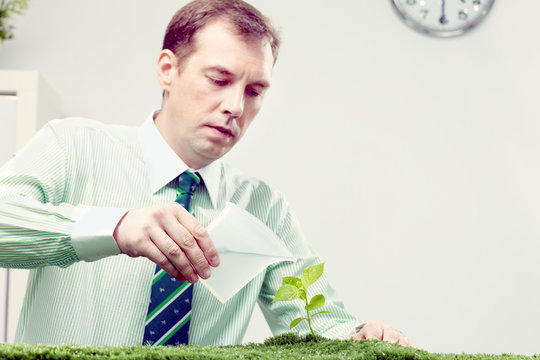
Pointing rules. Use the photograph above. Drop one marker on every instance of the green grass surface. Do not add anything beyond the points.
(287, 346)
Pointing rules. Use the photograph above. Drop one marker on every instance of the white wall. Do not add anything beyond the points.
(433, 147)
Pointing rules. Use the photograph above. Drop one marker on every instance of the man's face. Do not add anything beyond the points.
(214, 94)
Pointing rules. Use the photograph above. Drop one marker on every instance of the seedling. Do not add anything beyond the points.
(295, 288)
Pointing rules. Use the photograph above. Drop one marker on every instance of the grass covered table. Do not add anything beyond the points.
(288, 346)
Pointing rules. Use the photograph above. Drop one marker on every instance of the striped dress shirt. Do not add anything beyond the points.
(60, 198)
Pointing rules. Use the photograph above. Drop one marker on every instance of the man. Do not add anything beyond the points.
(83, 192)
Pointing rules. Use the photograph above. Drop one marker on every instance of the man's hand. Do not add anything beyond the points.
(169, 236)
(379, 331)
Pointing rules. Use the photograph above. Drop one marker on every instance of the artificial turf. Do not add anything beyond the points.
(287, 346)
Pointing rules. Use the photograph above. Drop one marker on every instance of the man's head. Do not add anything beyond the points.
(247, 21)
(214, 77)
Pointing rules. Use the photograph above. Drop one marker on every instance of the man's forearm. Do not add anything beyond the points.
(33, 234)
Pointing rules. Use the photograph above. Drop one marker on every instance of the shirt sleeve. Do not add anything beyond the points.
(337, 324)
(35, 224)
(92, 234)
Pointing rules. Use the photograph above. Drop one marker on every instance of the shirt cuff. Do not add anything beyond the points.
(357, 328)
(92, 235)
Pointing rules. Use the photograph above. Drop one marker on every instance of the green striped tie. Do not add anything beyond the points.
(169, 310)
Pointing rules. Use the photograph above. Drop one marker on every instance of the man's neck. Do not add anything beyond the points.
(193, 162)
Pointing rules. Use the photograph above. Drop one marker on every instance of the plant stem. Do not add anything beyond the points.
(309, 319)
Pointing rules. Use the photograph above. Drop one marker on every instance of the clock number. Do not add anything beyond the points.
(441, 18)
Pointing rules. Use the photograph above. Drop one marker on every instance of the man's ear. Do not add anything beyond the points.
(166, 68)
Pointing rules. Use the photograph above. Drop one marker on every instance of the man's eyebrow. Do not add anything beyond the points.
(263, 84)
(226, 72)
(220, 70)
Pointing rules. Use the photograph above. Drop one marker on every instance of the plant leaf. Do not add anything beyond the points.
(287, 293)
(316, 302)
(303, 293)
(320, 312)
(311, 274)
(291, 280)
(296, 322)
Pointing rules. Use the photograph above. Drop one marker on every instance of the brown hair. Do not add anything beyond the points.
(247, 20)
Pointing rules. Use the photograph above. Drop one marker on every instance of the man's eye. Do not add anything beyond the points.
(252, 92)
(219, 82)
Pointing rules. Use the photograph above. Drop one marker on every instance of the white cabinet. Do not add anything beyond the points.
(27, 102)
(8, 113)
(4, 283)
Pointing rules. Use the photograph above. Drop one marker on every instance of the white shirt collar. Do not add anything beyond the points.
(163, 165)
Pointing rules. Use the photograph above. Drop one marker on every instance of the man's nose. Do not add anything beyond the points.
(233, 103)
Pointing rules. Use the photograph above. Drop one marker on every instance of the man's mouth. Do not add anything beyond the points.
(223, 130)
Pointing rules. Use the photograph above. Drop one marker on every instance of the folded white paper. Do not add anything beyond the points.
(246, 247)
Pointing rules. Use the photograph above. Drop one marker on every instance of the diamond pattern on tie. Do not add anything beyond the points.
(169, 308)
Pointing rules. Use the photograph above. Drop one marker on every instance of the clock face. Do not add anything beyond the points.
(442, 18)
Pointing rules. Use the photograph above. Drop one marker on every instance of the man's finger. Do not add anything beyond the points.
(390, 334)
(174, 255)
(155, 255)
(372, 330)
(185, 243)
(375, 330)
(356, 336)
(371, 334)
(404, 341)
(200, 234)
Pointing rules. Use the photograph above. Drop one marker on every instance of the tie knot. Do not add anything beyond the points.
(188, 181)
(187, 184)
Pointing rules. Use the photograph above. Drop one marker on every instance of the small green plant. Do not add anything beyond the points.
(8, 8)
(296, 288)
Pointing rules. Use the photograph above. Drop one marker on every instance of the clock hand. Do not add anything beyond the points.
(443, 20)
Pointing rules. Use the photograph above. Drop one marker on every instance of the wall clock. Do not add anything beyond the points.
(442, 18)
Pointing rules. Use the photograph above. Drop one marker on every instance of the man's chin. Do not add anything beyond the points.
(210, 155)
